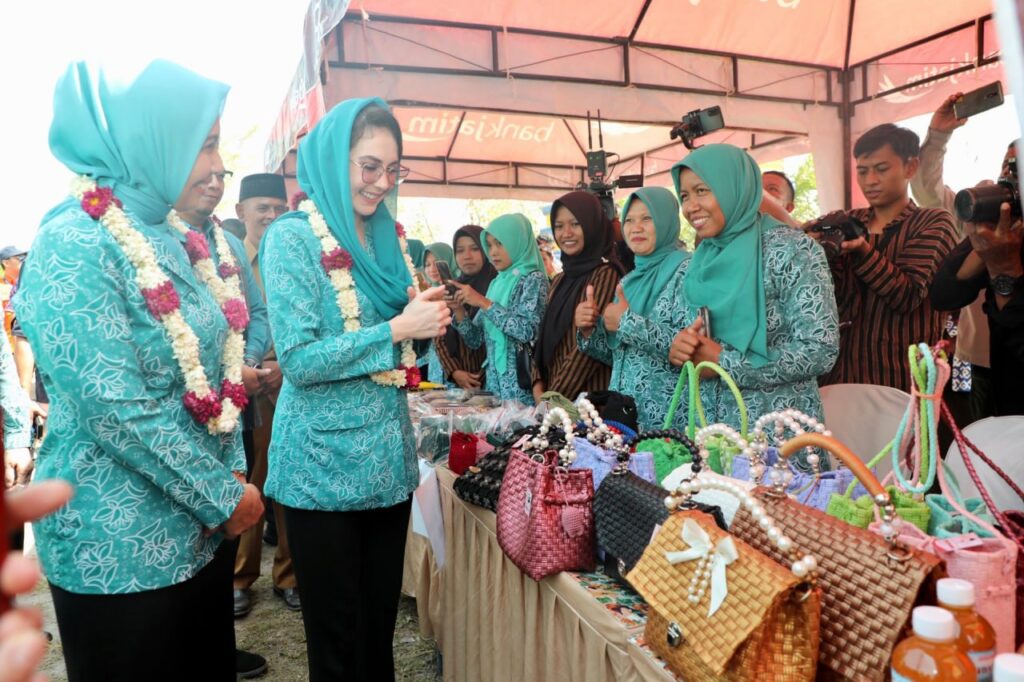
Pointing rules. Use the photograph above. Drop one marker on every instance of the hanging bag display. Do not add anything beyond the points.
(995, 580)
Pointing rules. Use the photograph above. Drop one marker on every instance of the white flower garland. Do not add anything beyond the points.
(217, 411)
(345, 293)
(224, 289)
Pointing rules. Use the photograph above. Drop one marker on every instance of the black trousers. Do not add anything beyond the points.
(182, 632)
(349, 569)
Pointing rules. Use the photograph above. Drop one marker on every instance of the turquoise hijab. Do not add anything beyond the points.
(417, 251)
(654, 271)
(138, 133)
(323, 174)
(444, 253)
(515, 233)
(727, 271)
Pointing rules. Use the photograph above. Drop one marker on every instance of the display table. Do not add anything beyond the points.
(497, 624)
(421, 580)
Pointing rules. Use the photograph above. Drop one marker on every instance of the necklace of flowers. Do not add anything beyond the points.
(337, 263)
(219, 410)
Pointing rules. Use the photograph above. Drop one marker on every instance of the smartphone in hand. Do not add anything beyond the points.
(976, 101)
(445, 273)
(705, 315)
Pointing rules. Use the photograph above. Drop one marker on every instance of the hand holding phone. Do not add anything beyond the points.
(445, 273)
(976, 101)
(705, 316)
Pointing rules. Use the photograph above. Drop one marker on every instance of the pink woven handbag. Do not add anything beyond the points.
(545, 511)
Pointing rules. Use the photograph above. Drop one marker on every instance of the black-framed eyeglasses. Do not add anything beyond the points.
(372, 171)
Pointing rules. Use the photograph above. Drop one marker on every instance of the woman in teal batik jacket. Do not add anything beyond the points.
(140, 578)
(342, 457)
(774, 326)
(438, 251)
(511, 312)
(634, 332)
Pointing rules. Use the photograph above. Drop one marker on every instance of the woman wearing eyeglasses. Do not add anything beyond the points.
(342, 458)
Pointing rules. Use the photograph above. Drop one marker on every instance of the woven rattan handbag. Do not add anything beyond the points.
(480, 484)
(870, 584)
(759, 621)
(545, 511)
(627, 509)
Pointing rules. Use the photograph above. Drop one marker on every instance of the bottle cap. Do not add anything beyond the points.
(931, 622)
(955, 592)
(1008, 668)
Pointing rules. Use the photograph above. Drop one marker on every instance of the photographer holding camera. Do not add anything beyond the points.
(991, 261)
(972, 373)
(882, 273)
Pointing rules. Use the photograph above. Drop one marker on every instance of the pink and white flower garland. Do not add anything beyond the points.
(217, 410)
(337, 263)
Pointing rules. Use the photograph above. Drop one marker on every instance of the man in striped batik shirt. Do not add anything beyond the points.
(882, 278)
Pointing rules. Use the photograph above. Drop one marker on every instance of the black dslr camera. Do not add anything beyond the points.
(981, 204)
(697, 123)
(835, 228)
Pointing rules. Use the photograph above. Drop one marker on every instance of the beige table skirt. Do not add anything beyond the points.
(492, 623)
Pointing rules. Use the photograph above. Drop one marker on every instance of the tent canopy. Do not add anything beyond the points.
(493, 96)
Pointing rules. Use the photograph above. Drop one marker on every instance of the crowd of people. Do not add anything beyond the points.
(200, 383)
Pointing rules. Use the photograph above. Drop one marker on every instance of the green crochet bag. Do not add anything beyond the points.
(670, 455)
(861, 512)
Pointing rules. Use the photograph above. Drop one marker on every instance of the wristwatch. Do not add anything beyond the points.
(1005, 285)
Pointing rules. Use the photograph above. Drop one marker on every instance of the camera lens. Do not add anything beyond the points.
(981, 204)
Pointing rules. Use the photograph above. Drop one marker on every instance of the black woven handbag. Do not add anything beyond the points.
(626, 511)
(480, 484)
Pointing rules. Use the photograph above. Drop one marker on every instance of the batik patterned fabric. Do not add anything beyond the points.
(341, 442)
(803, 337)
(803, 333)
(148, 478)
(961, 376)
(519, 320)
(435, 370)
(15, 403)
(638, 354)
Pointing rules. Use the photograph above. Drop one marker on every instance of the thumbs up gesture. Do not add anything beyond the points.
(613, 311)
(586, 312)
